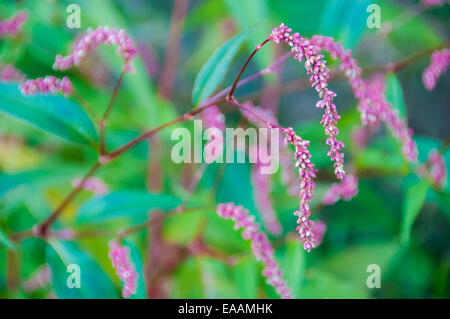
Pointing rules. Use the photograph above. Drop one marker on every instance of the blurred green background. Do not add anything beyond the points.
(36, 167)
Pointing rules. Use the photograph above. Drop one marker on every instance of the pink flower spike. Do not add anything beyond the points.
(92, 184)
(47, 85)
(120, 258)
(316, 68)
(440, 61)
(261, 247)
(12, 26)
(261, 187)
(318, 229)
(90, 41)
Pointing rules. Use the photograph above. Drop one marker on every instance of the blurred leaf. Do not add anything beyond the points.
(54, 114)
(394, 94)
(124, 204)
(413, 202)
(246, 278)
(187, 281)
(94, 282)
(213, 71)
(215, 279)
(4, 240)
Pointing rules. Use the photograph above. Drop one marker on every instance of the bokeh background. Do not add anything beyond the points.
(36, 167)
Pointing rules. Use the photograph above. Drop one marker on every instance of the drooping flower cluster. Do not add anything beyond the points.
(434, 169)
(47, 85)
(434, 3)
(8, 73)
(39, 279)
(307, 173)
(261, 247)
(353, 73)
(346, 190)
(90, 41)
(391, 117)
(92, 184)
(13, 25)
(440, 61)
(261, 187)
(120, 259)
(319, 74)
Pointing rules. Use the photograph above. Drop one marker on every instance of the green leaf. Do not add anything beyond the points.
(213, 71)
(12, 181)
(94, 282)
(53, 114)
(414, 200)
(394, 94)
(4, 240)
(124, 204)
(246, 278)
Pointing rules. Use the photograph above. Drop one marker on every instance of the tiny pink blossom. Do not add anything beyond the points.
(440, 61)
(305, 49)
(260, 244)
(120, 258)
(92, 184)
(13, 25)
(90, 41)
(47, 85)
(346, 190)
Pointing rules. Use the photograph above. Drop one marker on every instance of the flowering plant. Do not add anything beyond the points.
(93, 203)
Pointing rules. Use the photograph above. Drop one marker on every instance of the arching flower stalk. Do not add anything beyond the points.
(307, 173)
(13, 25)
(434, 3)
(120, 258)
(319, 74)
(440, 61)
(261, 247)
(373, 105)
(353, 73)
(9, 73)
(90, 41)
(92, 184)
(41, 278)
(47, 85)
(346, 190)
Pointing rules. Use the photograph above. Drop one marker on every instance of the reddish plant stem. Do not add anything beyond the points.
(102, 122)
(233, 87)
